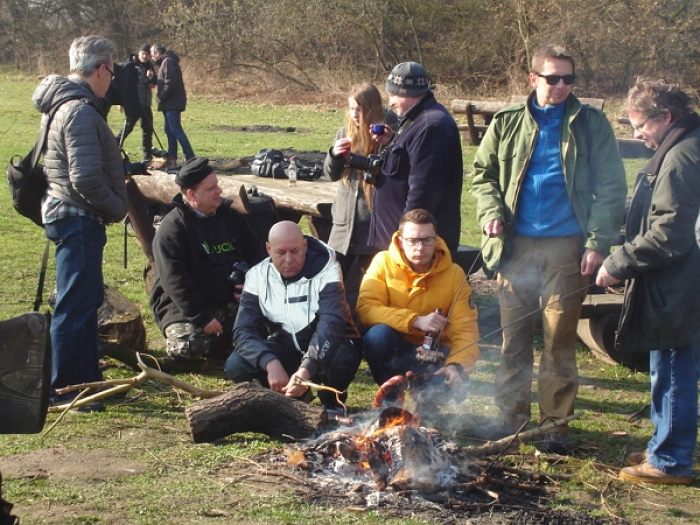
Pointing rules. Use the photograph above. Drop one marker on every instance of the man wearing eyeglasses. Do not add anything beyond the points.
(86, 192)
(398, 299)
(550, 189)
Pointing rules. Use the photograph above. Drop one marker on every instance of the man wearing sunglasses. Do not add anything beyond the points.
(550, 189)
(86, 192)
(398, 299)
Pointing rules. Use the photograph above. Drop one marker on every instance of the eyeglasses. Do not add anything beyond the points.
(553, 80)
(425, 241)
(639, 126)
(109, 71)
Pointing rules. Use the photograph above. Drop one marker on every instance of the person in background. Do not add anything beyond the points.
(86, 191)
(659, 260)
(172, 101)
(353, 201)
(146, 82)
(294, 323)
(398, 299)
(202, 249)
(422, 165)
(550, 189)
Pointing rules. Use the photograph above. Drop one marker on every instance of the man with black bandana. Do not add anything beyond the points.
(294, 322)
(195, 297)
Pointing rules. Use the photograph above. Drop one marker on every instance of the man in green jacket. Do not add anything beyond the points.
(550, 189)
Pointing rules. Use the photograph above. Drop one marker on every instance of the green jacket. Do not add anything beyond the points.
(595, 179)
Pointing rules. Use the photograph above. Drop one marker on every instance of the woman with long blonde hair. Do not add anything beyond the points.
(353, 201)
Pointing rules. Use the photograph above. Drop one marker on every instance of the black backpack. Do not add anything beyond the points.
(270, 163)
(26, 178)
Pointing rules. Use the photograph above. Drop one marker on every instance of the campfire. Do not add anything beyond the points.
(393, 451)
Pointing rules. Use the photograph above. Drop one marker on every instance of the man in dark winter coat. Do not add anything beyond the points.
(294, 323)
(660, 260)
(86, 192)
(422, 166)
(201, 249)
(172, 101)
(146, 81)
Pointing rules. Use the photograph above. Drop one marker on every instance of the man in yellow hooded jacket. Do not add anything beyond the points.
(399, 296)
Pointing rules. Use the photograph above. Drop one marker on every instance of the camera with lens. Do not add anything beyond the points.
(371, 165)
(135, 168)
(238, 271)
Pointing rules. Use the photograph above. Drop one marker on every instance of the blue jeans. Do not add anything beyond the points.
(337, 370)
(79, 244)
(175, 134)
(674, 410)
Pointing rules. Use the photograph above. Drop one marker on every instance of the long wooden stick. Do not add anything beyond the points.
(494, 447)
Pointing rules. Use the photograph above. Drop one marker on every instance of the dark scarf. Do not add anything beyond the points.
(647, 176)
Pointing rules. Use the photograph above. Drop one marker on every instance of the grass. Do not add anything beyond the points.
(176, 481)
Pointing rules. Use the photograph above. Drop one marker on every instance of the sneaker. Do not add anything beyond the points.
(93, 406)
(555, 443)
(636, 458)
(645, 473)
(498, 429)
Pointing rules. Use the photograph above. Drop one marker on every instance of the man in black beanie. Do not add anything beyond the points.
(422, 166)
(201, 249)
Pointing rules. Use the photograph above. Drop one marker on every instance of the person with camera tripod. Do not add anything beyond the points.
(202, 249)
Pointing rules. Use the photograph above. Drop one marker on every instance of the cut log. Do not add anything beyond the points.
(249, 407)
(120, 328)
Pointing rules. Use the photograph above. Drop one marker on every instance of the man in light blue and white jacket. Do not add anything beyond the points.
(294, 321)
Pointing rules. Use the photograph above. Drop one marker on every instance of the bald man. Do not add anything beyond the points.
(294, 322)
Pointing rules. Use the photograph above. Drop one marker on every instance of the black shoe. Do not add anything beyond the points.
(494, 431)
(555, 443)
(159, 152)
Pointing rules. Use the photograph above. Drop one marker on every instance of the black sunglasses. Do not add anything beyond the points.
(553, 80)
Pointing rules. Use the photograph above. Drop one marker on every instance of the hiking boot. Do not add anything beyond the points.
(636, 458)
(645, 473)
(497, 429)
(555, 443)
(171, 164)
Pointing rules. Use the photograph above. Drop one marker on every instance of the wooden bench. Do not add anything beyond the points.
(486, 109)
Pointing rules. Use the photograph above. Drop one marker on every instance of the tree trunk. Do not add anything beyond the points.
(249, 407)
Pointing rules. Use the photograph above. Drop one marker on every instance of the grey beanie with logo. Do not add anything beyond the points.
(408, 80)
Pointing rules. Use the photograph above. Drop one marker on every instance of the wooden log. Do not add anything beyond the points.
(249, 407)
(120, 328)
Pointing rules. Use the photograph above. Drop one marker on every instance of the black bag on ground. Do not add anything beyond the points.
(25, 373)
(263, 214)
(269, 163)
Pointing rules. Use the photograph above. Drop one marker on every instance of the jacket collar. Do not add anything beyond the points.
(676, 132)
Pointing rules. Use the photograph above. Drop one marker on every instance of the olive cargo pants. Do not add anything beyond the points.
(539, 272)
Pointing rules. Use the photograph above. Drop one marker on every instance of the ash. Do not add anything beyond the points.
(407, 471)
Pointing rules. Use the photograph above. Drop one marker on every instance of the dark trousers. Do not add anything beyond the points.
(146, 129)
(336, 371)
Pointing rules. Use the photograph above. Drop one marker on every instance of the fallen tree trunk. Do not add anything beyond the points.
(249, 407)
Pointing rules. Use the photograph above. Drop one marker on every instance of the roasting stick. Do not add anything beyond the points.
(303, 382)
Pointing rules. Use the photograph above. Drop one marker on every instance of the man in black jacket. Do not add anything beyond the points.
(201, 249)
(660, 261)
(172, 101)
(422, 165)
